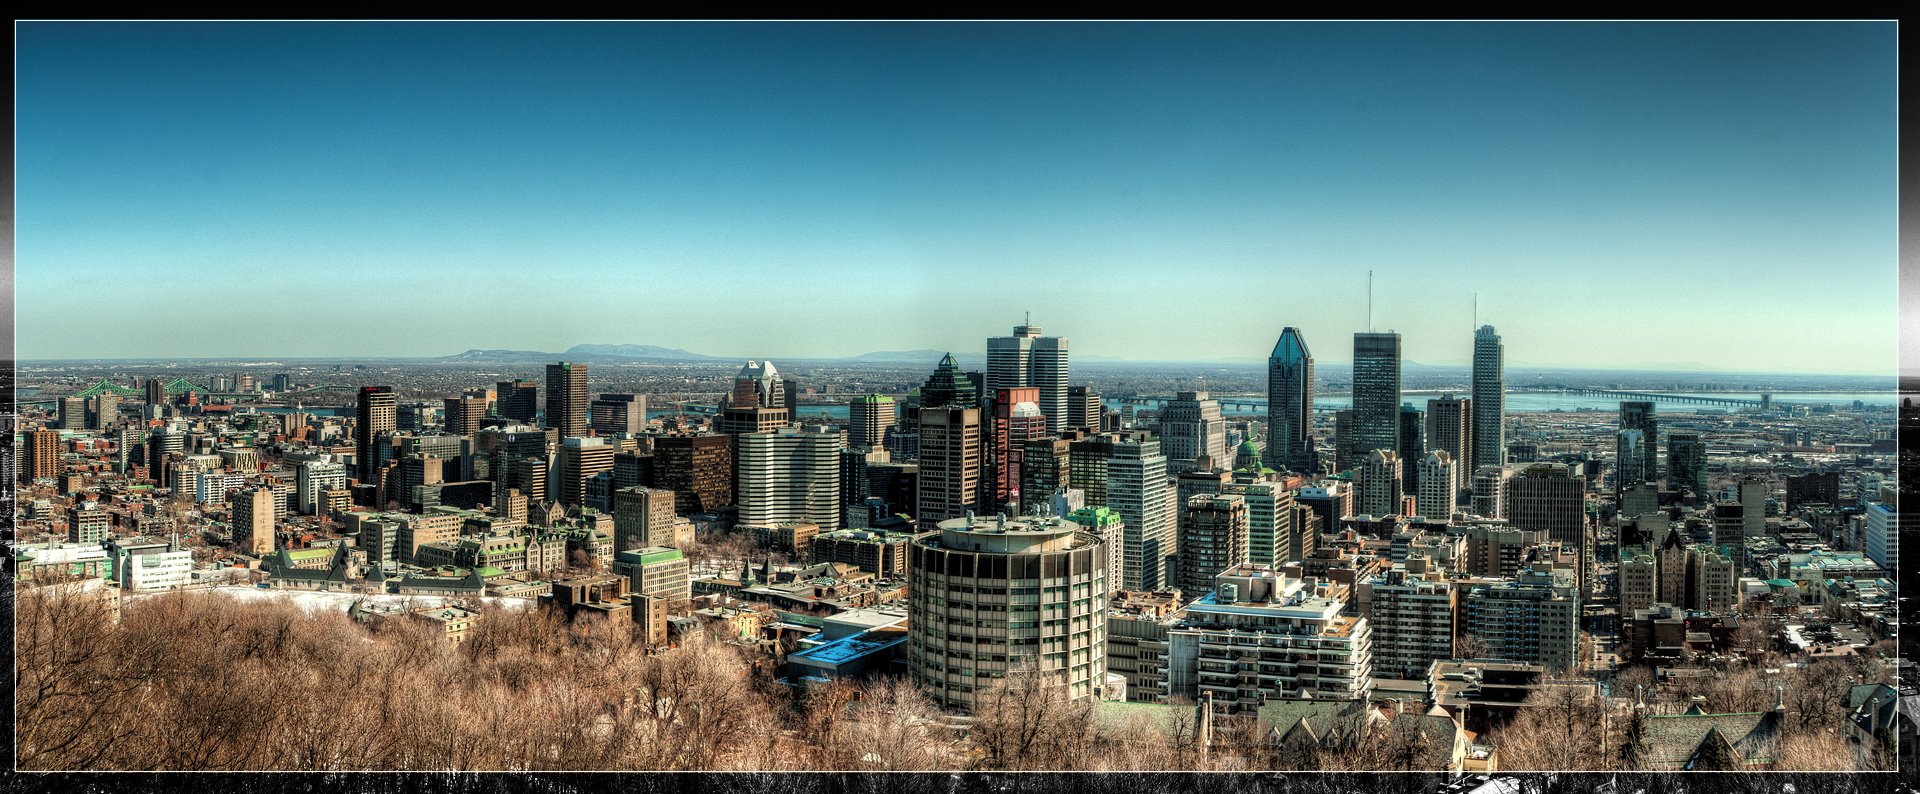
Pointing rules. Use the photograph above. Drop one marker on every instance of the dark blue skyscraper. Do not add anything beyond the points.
(1290, 403)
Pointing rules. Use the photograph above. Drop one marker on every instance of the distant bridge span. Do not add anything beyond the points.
(1765, 401)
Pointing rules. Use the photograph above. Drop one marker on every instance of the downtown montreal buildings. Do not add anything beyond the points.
(992, 596)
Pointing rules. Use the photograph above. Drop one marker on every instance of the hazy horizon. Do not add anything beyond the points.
(1692, 197)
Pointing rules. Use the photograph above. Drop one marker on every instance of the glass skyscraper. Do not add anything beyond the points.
(1376, 393)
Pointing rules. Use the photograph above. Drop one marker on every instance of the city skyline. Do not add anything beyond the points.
(901, 170)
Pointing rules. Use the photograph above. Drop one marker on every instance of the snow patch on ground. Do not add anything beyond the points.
(320, 601)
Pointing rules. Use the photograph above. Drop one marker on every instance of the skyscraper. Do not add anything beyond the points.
(1127, 472)
(788, 476)
(869, 417)
(579, 460)
(698, 469)
(1637, 415)
(1376, 393)
(613, 414)
(1191, 427)
(373, 415)
(1546, 497)
(1084, 410)
(517, 400)
(1450, 429)
(466, 414)
(1028, 359)
(1413, 447)
(951, 450)
(1016, 420)
(1489, 400)
(1290, 403)
(1439, 485)
(567, 398)
(1213, 538)
(1687, 462)
(1381, 483)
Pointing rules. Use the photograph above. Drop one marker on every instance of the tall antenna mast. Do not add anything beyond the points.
(1369, 301)
(1476, 311)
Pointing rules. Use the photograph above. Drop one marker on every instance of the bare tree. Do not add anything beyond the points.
(1028, 720)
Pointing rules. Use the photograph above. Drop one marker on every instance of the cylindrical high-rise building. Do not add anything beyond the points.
(1489, 399)
(992, 596)
(1290, 403)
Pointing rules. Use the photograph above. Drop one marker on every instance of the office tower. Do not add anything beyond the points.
(1127, 472)
(1490, 491)
(156, 392)
(1729, 530)
(1630, 459)
(41, 456)
(698, 469)
(1638, 500)
(948, 387)
(1191, 427)
(1270, 516)
(1029, 360)
(102, 410)
(1450, 429)
(373, 415)
(1439, 485)
(1753, 503)
(73, 413)
(1812, 488)
(951, 452)
(1883, 535)
(579, 460)
(1414, 617)
(643, 517)
(1379, 484)
(413, 472)
(790, 393)
(1546, 497)
(1639, 416)
(129, 444)
(252, 515)
(567, 398)
(617, 414)
(1413, 447)
(1489, 400)
(869, 417)
(758, 384)
(855, 482)
(1343, 454)
(1376, 393)
(1213, 538)
(1045, 467)
(1017, 419)
(1302, 643)
(517, 400)
(245, 382)
(956, 624)
(1290, 403)
(1304, 538)
(517, 460)
(788, 476)
(1085, 411)
(1534, 618)
(1687, 462)
(466, 414)
(88, 523)
(283, 382)
(1190, 484)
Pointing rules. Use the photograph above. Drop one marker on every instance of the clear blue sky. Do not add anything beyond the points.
(1620, 195)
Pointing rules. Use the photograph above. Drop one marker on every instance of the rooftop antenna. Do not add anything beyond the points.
(1476, 311)
(1369, 301)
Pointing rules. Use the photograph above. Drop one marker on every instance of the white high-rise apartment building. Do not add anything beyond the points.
(1439, 486)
